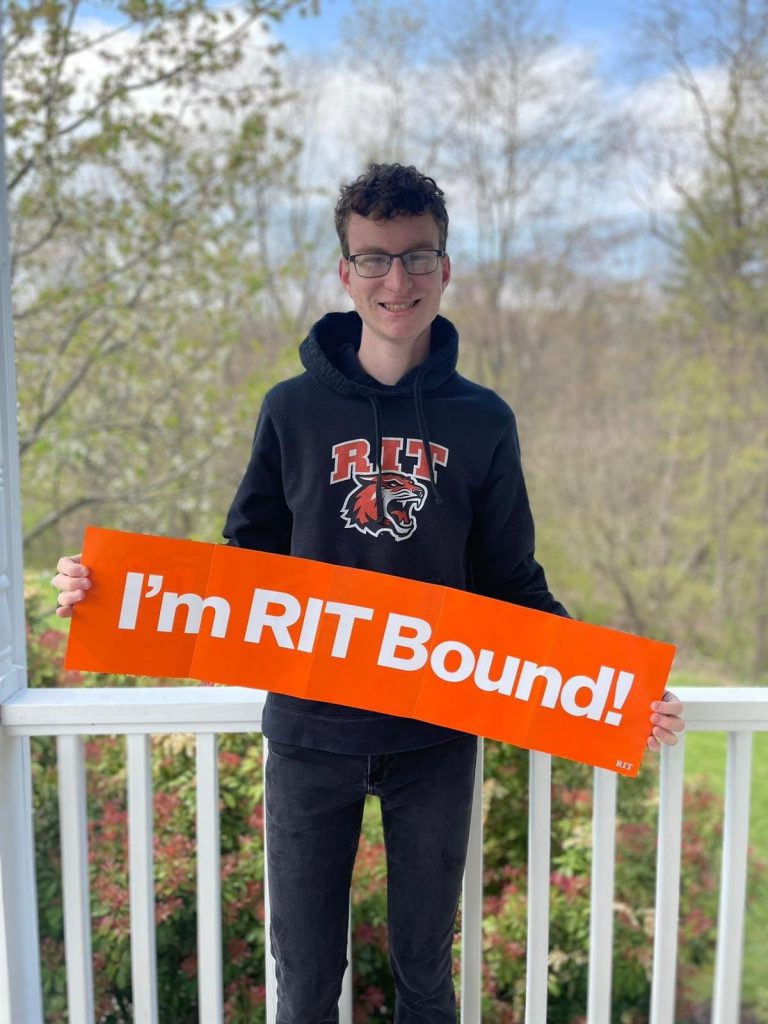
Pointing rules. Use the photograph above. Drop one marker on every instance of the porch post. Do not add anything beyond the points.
(20, 988)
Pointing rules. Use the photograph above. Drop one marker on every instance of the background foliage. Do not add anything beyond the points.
(172, 173)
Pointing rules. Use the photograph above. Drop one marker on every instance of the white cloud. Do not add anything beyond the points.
(668, 148)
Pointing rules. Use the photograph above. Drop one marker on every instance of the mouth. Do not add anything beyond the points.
(398, 307)
(399, 515)
(399, 511)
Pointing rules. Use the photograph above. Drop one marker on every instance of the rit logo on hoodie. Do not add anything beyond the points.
(403, 468)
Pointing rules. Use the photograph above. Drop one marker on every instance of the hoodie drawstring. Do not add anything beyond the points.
(377, 449)
(421, 419)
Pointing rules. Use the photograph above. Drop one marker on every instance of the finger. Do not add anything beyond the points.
(71, 565)
(653, 744)
(70, 583)
(64, 613)
(668, 707)
(67, 599)
(665, 736)
(670, 722)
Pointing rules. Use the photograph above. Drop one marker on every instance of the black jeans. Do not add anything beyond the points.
(314, 810)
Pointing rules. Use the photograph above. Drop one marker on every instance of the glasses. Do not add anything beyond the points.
(377, 264)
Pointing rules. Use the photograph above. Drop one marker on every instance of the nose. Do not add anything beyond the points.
(398, 278)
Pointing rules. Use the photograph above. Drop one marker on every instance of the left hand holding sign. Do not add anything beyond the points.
(72, 580)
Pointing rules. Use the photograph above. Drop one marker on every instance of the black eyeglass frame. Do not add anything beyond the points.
(439, 253)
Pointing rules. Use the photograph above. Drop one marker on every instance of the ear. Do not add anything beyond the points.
(344, 270)
(446, 270)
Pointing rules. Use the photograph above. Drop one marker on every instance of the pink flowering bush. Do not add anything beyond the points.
(505, 900)
(175, 881)
(242, 865)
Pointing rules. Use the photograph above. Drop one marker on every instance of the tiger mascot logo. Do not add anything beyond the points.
(402, 497)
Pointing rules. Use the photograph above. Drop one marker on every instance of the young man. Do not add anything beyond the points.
(380, 456)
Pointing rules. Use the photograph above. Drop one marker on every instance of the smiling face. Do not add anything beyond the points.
(397, 309)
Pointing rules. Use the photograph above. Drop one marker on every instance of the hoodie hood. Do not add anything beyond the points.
(329, 354)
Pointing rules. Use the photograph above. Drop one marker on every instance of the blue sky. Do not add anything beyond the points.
(589, 21)
(600, 25)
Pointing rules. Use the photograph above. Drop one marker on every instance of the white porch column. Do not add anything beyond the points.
(20, 990)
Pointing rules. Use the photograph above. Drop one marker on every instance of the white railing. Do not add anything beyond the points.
(71, 715)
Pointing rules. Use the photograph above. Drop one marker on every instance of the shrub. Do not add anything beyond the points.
(242, 862)
(505, 807)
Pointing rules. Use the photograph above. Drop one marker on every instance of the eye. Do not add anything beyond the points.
(372, 261)
(421, 259)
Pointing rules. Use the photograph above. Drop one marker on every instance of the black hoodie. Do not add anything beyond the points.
(446, 502)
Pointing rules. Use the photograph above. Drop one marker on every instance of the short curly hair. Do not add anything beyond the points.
(385, 191)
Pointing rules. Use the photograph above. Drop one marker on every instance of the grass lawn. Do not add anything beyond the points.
(705, 756)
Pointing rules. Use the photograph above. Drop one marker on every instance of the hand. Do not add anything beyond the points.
(666, 721)
(73, 583)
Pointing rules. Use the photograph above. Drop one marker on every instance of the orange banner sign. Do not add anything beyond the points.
(180, 608)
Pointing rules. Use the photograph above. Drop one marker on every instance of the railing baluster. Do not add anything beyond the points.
(20, 982)
(73, 815)
(733, 881)
(539, 827)
(209, 952)
(269, 961)
(346, 998)
(667, 884)
(472, 906)
(143, 943)
(601, 897)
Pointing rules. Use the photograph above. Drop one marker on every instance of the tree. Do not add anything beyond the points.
(659, 483)
(387, 78)
(131, 143)
(524, 138)
(716, 54)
